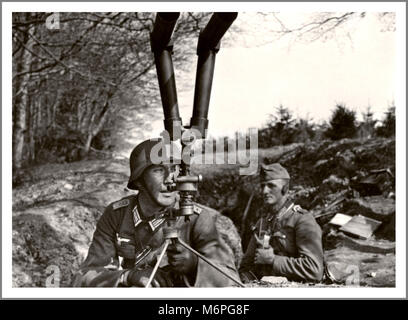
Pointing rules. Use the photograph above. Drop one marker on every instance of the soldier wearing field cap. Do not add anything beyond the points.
(286, 241)
(129, 236)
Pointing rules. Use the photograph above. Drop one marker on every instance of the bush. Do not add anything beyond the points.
(387, 128)
(342, 123)
(280, 129)
(366, 128)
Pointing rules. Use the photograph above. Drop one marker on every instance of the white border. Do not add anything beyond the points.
(9, 292)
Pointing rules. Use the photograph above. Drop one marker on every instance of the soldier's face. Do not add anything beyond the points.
(272, 191)
(156, 180)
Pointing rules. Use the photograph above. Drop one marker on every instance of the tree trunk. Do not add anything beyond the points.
(55, 107)
(21, 104)
(32, 115)
(88, 142)
(95, 129)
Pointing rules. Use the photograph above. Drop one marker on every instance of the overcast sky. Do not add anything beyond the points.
(357, 68)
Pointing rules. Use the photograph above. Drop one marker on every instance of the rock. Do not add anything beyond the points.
(363, 264)
(68, 186)
(345, 160)
(336, 239)
(376, 182)
(342, 273)
(376, 207)
(274, 280)
(333, 183)
(387, 229)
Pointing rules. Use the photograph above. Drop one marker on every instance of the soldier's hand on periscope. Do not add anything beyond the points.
(181, 260)
(264, 254)
(140, 278)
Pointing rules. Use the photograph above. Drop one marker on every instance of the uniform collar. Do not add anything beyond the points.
(287, 206)
(154, 223)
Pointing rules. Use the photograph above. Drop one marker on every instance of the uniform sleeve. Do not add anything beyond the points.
(101, 267)
(308, 266)
(207, 241)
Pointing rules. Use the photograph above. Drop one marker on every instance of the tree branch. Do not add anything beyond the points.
(59, 61)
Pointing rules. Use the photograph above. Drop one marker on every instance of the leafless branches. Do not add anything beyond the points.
(74, 80)
(325, 25)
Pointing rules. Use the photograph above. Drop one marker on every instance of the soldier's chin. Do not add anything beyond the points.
(270, 201)
(167, 200)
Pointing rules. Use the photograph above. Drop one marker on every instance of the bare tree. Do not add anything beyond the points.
(319, 26)
(69, 83)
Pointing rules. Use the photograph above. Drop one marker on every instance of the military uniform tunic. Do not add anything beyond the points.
(296, 239)
(123, 240)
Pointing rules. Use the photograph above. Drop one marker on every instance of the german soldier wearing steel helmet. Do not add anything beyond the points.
(129, 235)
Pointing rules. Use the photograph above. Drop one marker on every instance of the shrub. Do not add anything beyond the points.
(342, 123)
(387, 128)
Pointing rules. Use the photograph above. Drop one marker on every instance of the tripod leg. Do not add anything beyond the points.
(156, 266)
(185, 245)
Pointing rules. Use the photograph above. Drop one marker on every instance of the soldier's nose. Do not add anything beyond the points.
(169, 178)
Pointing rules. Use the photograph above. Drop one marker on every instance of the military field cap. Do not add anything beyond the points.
(150, 152)
(273, 171)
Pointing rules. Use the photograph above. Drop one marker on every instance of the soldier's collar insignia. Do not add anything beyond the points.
(136, 217)
(120, 204)
(153, 223)
(156, 223)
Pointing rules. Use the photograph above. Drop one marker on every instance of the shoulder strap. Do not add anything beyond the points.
(300, 210)
(120, 204)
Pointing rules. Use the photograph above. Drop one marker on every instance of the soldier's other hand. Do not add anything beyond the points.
(264, 256)
(140, 278)
(181, 260)
(262, 242)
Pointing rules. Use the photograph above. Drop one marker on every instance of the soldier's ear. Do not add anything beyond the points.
(285, 188)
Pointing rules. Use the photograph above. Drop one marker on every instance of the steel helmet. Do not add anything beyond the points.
(148, 153)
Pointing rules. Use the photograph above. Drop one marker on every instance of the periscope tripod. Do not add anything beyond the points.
(171, 236)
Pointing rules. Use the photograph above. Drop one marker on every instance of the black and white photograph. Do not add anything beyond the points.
(172, 146)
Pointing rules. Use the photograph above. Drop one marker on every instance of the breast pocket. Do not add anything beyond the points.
(125, 247)
(283, 242)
